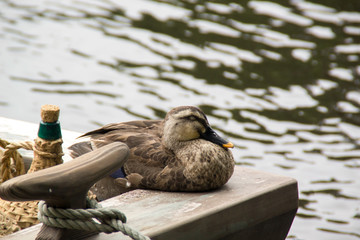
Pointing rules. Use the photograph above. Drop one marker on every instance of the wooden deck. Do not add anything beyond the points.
(252, 205)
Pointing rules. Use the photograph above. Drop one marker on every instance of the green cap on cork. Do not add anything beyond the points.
(49, 128)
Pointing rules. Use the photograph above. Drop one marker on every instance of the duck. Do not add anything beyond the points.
(178, 153)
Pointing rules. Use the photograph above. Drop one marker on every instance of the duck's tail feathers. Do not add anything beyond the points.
(80, 148)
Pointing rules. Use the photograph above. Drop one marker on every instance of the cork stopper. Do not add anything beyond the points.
(50, 113)
(49, 125)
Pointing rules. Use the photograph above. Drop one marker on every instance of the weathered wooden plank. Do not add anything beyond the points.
(252, 205)
(250, 197)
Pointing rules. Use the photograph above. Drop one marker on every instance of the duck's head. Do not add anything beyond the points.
(186, 123)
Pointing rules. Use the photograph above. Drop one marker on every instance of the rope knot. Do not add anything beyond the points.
(95, 218)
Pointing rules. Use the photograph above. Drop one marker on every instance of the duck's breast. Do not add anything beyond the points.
(206, 165)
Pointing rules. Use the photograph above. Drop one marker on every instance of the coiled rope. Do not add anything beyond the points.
(12, 164)
(94, 218)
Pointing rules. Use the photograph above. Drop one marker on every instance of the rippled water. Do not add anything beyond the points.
(280, 79)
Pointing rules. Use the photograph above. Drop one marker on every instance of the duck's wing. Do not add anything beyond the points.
(143, 139)
(134, 134)
(127, 128)
(150, 165)
(113, 132)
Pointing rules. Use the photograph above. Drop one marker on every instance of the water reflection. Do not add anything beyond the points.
(334, 192)
(280, 79)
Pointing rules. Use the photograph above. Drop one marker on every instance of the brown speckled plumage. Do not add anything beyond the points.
(169, 154)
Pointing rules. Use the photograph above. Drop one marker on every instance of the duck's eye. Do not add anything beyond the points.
(192, 118)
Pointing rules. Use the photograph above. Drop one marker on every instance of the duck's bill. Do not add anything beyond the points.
(212, 136)
(228, 145)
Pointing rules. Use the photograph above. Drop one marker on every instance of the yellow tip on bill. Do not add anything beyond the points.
(228, 145)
